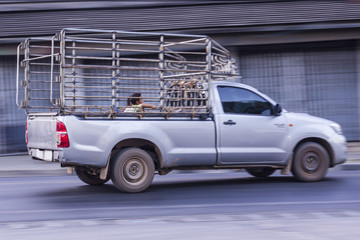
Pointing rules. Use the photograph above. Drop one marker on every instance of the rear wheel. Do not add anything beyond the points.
(90, 176)
(132, 170)
(311, 162)
(261, 172)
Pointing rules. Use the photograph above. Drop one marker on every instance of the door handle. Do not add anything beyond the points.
(229, 122)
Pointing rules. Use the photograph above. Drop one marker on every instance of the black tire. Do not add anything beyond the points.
(132, 170)
(311, 162)
(261, 172)
(89, 177)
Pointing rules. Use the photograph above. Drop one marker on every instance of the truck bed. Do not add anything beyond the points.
(184, 142)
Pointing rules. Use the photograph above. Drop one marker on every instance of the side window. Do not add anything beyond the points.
(242, 101)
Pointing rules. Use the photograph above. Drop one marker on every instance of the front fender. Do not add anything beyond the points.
(321, 133)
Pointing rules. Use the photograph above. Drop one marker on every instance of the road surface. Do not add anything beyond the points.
(215, 205)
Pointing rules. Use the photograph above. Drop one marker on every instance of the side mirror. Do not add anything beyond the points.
(277, 110)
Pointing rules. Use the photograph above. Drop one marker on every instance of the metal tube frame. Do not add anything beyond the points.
(183, 75)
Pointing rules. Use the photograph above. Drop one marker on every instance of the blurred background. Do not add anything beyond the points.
(303, 54)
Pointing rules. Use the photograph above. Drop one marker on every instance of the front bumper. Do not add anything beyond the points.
(339, 147)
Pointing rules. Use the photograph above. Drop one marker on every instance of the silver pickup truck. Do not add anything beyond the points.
(199, 120)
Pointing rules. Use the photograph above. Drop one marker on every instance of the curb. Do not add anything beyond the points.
(350, 164)
(348, 167)
(33, 173)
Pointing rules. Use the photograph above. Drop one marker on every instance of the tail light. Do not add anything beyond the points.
(62, 135)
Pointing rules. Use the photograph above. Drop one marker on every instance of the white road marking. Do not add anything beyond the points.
(53, 224)
(352, 213)
(255, 216)
(264, 220)
(288, 215)
(184, 206)
(321, 215)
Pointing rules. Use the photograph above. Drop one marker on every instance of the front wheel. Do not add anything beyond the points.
(261, 172)
(90, 176)
(132, 170)
(311, 162)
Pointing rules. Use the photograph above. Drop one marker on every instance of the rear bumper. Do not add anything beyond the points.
(45, 154)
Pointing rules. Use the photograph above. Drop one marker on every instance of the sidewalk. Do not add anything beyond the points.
(353, 157)
(23, 165)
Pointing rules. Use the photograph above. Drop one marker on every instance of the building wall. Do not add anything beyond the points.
(317, 78)
(357, 63)
(12, 120)
(45, 18)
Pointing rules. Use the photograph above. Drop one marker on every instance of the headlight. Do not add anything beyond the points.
(337, 128)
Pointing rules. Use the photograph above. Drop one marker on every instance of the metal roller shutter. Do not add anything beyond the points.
(319, 81)
(174, 18)
(12, 120)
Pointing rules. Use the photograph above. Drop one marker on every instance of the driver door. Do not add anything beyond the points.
(248, 131)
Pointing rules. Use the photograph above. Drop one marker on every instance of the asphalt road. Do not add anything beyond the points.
(220, 205)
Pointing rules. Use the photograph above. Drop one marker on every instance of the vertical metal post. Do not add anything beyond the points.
(118, 72)
(27, 73)
(52, 69)
(18, 73)
(62, 69)
(73, 52)
(208, 71)
(161, 70)
(113, 74)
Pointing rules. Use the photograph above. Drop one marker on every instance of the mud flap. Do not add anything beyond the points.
(104, 171)
(287, 169)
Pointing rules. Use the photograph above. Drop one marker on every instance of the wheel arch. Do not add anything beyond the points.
(143, 144)
(323, 143)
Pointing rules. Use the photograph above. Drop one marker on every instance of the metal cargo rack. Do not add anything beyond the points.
(93, 72)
